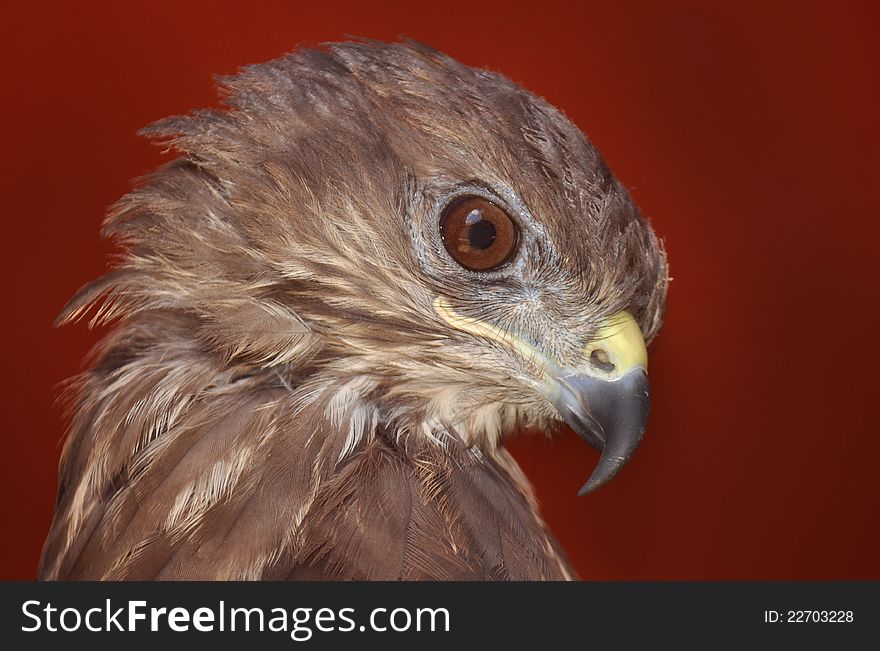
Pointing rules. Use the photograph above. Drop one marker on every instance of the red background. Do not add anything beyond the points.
(747, 133)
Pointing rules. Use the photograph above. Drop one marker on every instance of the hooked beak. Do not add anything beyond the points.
(606, 401)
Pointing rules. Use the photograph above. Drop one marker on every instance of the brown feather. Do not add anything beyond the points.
(279, 398)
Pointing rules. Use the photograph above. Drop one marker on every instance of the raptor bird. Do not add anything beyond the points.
(363, 271)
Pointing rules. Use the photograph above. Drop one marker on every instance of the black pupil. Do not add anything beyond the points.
(481, 232)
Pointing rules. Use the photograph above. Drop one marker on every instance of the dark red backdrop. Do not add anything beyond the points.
(748, 134)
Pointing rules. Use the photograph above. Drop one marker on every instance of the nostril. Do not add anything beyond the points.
(599, 360)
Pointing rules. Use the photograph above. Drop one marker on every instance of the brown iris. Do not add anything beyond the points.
(479, 235)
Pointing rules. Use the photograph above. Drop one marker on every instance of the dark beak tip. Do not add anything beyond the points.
(602, 474)
(586, 489)
(620, 408)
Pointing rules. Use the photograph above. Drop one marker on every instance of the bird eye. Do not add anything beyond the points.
(479, 235)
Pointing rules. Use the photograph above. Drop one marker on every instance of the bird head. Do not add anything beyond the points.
(443, 252)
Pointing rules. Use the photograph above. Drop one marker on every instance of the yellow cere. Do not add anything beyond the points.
(621, 339)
